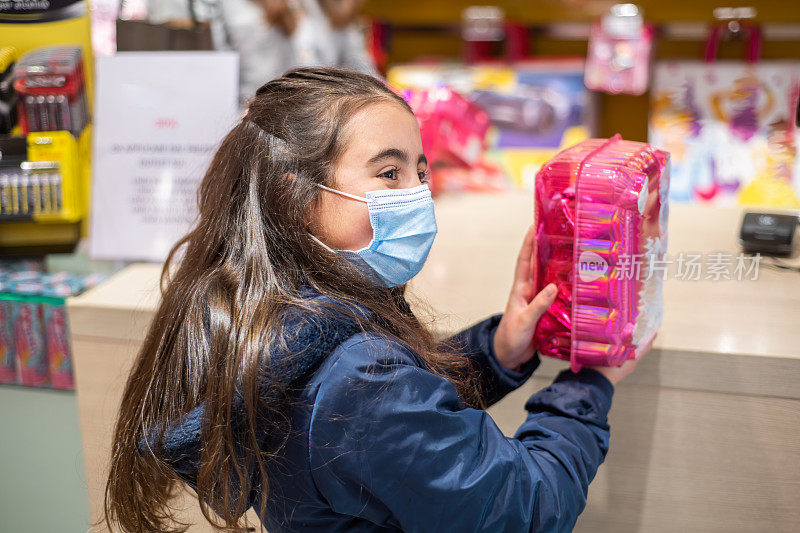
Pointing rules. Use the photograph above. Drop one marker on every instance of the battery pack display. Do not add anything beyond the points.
(30, 188)
(51, 89)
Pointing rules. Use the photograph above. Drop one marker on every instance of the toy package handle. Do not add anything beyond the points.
(576, 365)
(752, 33)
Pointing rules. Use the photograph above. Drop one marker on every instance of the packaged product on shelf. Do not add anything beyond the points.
(8, 98)
(8, 358)
(10, 266)
(44, 182)
(50, 85)
(453, 130)
(21, 276)
(30, 347)
(59, 356)
(601, 228)
(30, 188)
(35, 344)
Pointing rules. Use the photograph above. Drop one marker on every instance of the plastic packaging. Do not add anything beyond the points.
(59, 354)
(34, 330)
(620, 46)
(50, 85)
(453, 129)
(601, 228)
(8, 358)
(31, 350)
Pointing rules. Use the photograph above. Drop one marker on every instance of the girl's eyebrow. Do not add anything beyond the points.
(395, 153)
(390, 153)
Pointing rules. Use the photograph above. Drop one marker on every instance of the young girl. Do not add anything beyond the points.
(284, 370)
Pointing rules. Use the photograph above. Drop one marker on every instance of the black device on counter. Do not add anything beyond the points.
(768, 233)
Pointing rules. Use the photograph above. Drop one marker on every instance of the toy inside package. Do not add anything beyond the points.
(50, 85)
(601, 229)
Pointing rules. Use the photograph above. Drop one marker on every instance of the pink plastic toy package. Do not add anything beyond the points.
(601, 229)
(620, 46)
(453, 129)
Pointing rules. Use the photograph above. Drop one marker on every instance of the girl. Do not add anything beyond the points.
(284, 370)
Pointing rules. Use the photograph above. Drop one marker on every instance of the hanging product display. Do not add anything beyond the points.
(49, 82)
(8, 98)
(730, 128)
(30, 188)
(41, 178)
(620, 46)
(601, 231)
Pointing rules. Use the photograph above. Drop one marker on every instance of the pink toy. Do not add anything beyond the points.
(601, 228)
(453, 129)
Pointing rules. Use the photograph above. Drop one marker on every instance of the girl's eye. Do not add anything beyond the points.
(390, 174)
(424, 176)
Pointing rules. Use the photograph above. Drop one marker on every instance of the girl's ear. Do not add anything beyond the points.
(310, 216)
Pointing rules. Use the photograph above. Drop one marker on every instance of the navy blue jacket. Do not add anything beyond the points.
(379, 443)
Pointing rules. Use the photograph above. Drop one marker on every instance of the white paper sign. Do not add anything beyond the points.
(159, 117)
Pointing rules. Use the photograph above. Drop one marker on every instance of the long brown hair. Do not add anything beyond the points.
(241, 268)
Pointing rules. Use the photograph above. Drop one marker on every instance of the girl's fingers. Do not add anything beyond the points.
(540, 304)
(524, 270)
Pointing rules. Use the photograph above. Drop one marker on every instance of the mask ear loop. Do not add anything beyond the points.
(353, 196)
(337, 192)
(322, 243)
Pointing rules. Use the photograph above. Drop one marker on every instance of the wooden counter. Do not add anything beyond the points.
(705, 433)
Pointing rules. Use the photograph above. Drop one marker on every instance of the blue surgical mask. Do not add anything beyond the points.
(403, 230)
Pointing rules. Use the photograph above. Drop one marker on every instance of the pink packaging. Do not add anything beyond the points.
(601, 229)
(8, 364)
(618, 59)
(59, 357)
(30, 344)
(453, 129)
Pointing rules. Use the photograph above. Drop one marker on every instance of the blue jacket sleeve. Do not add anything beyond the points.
(477, 343)
(391, 443)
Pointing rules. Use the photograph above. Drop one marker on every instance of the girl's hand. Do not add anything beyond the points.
(513, 340)
(615, 374)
